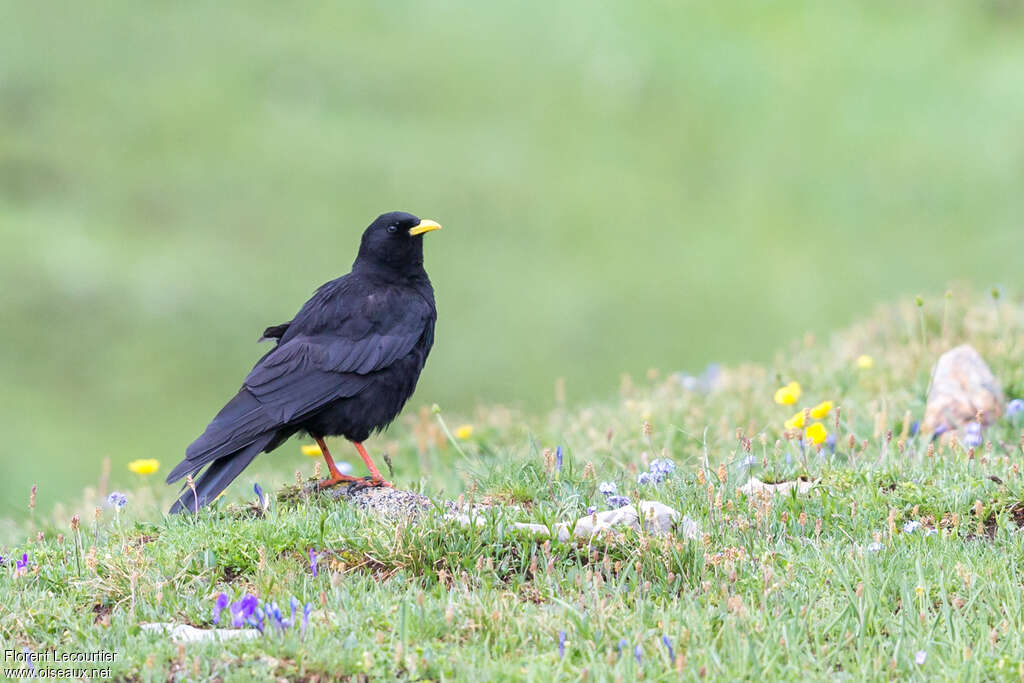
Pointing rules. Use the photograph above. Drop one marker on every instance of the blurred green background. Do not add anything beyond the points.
(623, 185)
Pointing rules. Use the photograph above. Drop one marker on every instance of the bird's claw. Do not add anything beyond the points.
(367, 482)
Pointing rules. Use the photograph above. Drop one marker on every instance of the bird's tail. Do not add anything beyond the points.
(218, 476)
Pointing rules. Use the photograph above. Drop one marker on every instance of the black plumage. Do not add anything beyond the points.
(344, 366)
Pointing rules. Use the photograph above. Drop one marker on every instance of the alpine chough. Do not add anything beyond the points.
(344, 366)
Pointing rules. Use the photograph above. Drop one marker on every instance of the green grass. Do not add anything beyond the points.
(781, 588)
(622, 185)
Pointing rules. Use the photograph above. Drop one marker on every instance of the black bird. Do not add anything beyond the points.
(344, 366)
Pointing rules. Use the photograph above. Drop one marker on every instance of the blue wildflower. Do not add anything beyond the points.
(622, 646)
(260, 498)
(972, 435)
(274, 612)
(561, 644)
(830, 444)
(748, 462)
(617, 502)
(639, 654)
(911, 526)
(256, 619)
(643, 479)
(558, 458)
(608, 488)
(244, 610)
(711, 375)
(915, 427)
(1015, 408)
(219, 606)
(930, 532)
(661, 468)
(874, 547)
(312, 563)
(668, 646)
(590, 510)
(306, 610)
(117, 500)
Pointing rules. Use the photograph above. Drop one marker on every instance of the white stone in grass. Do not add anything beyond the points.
(183, 633)
(755, 485)
(658, 518)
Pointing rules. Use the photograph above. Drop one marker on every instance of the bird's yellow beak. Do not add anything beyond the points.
(424, 226)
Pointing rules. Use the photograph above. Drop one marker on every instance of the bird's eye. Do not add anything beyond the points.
(392, 229)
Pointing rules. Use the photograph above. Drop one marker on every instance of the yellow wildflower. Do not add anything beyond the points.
(144, 466)
(817, 433)
(463, 431)
(821, 410)
(796, 422)
(312, 450)
(865, 362)
(788, 395)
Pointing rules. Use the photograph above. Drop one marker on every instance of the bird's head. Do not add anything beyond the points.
(395, 241)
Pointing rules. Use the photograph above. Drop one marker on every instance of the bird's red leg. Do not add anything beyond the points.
(376, 478)
(332, 469)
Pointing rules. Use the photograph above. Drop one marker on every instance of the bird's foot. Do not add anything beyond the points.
(368, 483)
(335, 479)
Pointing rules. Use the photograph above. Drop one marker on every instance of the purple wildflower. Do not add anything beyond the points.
(661, 468)
(274, 612)
(561, 644)
(608, 488)
(260, 498)
(306, 610)
(919, 657)
(590, 510)
(1015, 407)
(312, 563)
(915, 427)
(911, 526)
(243, 611)
(638, 652)
(219, 606)
(830, 444)
(558, 458)
(622, 646)
(972, 435)
(117, 500)
(21, 566)
(643, 479)
(617, 502)
(668, 646)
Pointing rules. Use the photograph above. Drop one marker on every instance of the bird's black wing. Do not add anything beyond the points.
(274, 332)
(329, 351)
(332, 359)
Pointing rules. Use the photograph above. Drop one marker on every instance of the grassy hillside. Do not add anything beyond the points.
(623, 186)
(900, 562)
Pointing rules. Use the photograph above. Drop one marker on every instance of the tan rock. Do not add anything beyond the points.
(962, 387)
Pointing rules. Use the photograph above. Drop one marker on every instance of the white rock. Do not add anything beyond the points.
(658, 518)
(755, 485)
(183, 633)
